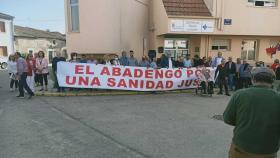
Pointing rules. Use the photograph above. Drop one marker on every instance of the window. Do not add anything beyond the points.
(249, 49)
(176, 48)
(221, 44)
(3, 51)
(74, 16)
(262, 3)
(274, 43)
(50, 55)
(2, 26)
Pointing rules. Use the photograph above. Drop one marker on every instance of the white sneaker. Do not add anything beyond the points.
(11, 89)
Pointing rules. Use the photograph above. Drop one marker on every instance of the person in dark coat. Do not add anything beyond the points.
(197, 61)
(164, 63)
(231, 71)
(222, 75)
(57, 59)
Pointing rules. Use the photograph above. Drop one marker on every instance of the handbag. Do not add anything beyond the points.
(13, 76)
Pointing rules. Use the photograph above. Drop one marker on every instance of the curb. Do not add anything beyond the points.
(50, 94)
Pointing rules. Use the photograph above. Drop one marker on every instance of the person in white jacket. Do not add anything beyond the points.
(12, 69)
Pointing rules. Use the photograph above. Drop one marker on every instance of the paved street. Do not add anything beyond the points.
(145, 126)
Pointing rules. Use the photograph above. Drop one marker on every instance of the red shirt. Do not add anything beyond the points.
(274, 66)
(31, 66)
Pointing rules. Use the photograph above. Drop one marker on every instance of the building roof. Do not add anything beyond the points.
(186, 8)
(6, 16)
(27, 32)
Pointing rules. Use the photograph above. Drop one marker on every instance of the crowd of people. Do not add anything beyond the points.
(229, 76)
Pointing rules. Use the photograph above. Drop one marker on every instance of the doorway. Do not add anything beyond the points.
(176, 48)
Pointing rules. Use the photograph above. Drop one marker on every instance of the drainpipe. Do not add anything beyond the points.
(222, 14)
(121, 43)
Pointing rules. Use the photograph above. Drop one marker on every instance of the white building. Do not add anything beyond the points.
(6, 35)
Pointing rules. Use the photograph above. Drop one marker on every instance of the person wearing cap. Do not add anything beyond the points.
(255, 113)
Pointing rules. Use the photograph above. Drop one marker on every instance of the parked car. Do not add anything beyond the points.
(3, 62)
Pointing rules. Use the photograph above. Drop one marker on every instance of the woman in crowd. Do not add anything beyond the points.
(107, 60)
(42, 70)
(12, 69)
(31, 64)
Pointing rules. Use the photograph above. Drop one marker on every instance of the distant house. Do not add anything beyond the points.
(30, 40)
(6, 35)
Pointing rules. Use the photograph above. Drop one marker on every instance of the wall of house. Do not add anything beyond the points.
(158, 24)
(23, 45)
(6, 38)
(110, 26)
(246, 20)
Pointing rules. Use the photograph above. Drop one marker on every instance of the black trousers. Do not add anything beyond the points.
(13, 82)
(223, 83)
(59, 89)
(210, 87)
(238, 83)
(36, 78)
(245, 82)
(43, 78)
(23, 85)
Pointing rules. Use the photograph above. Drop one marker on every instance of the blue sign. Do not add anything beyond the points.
(227, 21)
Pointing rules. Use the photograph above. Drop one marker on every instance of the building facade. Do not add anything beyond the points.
(246, 29)
(29, 40)
(6, 35)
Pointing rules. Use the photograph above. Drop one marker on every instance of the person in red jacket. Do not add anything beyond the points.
(275, 65)
(31, 63)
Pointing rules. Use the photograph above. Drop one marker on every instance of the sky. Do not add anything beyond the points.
(39, 14)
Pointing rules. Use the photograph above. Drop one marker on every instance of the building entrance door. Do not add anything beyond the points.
(249, 49)
(176, 48)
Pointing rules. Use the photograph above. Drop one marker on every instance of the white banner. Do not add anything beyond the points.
(76, 75)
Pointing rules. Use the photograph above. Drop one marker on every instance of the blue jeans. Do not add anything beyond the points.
(23, 85)
(231, 81)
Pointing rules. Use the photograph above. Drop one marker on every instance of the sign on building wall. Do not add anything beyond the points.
(192, 26)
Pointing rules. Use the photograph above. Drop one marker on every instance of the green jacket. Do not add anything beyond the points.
(255, 113)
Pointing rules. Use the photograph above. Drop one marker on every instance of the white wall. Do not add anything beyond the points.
(110, 26)
(6, 38)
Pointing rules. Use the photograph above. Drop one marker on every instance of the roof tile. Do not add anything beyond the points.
(186, 8)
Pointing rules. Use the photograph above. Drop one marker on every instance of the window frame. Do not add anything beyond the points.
(219, 46)
(70, 24)
(4, 24)
(253, 4)
(5, 50)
